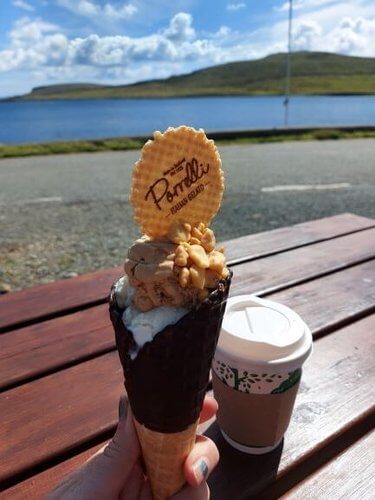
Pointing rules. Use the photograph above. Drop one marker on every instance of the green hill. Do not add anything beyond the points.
(312, 73)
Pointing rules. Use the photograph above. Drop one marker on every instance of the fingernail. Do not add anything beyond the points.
(200, 470)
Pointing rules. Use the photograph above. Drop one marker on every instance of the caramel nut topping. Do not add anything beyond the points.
(199, 256)
(225, 273)
(201, 227)
(197, 277)
(208, 240)
(179, 232)
(194, 241)
(195, 233)
(217, 261)
(181, 256)
(184, 277)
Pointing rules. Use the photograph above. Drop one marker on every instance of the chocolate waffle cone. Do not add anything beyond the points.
(167, 380)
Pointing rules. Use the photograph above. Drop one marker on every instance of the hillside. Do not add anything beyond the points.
(312, 73)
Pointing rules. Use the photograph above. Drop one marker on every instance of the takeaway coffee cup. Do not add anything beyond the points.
(256, 371)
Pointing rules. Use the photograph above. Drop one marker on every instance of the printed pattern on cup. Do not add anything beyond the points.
(250, 382)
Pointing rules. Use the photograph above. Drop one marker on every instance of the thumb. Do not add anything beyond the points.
(104, 475)
(119, 456)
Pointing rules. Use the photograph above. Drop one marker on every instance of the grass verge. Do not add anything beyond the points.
(123, 144)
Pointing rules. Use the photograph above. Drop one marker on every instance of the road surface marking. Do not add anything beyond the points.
(305, 187)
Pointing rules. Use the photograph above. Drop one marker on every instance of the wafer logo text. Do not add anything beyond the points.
(163, 190)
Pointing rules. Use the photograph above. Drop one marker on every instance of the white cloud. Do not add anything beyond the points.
(235, 6)
(41, 49)
(26, 31)
(21, 4)
(87, 8)
(305, 35)
(180, 28)
(36, 43)
(351, 36)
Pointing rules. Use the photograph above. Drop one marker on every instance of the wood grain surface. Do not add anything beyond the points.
(279, 240)
(335, 394)
(351, 475)
(330, 283)
(37, 349)
(39, 485)
(43, 301)
(333, 300)
(40, 348)
(295, 266)
(49, 416)
(84, 398)
(30, 305)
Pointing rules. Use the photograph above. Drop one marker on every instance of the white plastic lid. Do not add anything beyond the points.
(263, 333)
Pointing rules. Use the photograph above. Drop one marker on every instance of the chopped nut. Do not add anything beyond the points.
(217, 261)
(199, 256)
(201, 227)
(184, 277)
(179, 232)
(197, 277)
(221, 249)
(196, 233)
(208, 240)
(225, 273)
(194, 241)
(181, 256)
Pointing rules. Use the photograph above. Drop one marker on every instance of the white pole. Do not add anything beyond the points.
(288, 66)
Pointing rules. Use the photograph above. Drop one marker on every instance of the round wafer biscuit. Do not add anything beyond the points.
(178, 177)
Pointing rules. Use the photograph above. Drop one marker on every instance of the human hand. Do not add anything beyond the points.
(116, 470)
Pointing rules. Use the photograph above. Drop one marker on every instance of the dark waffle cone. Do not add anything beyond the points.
(167, 381)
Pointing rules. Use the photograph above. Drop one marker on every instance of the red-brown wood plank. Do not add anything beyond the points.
(44, 347)
(278, 240)
(30, 305)
(45, 300)
(38, 486)
(292, 267)
(333, 300)
(44, 418)
(350, 475)
(335, 394)
(76, 402)
(37, 349)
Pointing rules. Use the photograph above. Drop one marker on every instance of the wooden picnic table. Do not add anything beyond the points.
(60, 377)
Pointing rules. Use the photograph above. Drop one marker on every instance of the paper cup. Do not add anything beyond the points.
(256, 371)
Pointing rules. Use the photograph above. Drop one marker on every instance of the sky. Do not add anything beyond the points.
(44, 42)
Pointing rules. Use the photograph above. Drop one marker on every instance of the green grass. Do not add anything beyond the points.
(52, 148)
(312, 73)
(123, 144)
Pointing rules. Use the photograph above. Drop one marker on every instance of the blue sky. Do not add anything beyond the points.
(115, 41)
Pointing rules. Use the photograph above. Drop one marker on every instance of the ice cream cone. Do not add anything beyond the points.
(164, 455)
(166, 383)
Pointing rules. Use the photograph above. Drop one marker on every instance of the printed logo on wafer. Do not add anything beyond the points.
(178, 177)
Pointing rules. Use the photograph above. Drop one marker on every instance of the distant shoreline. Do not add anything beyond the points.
(313, 73)
(21, 99)
(236, 137)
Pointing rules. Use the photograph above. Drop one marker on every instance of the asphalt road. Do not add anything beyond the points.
(67, 214)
